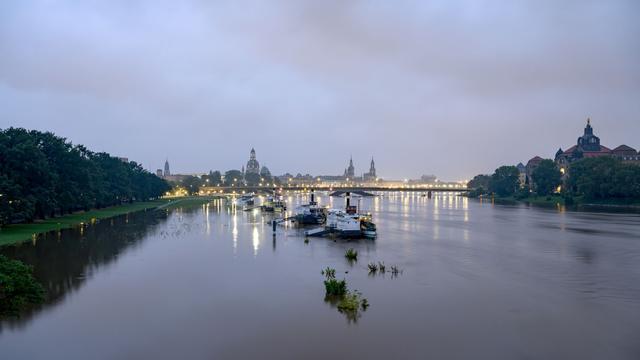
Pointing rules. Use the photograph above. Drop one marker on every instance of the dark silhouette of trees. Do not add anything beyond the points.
(603, 178)
(43, 175)
(505, 181)
(546, 177)
(233, 177)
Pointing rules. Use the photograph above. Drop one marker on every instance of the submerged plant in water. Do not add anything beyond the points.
(381, 267)
(373, 268)
(18, 288)
(395, 270)
(351, 254)
(335, 287)
(351, 304)
(329, 273)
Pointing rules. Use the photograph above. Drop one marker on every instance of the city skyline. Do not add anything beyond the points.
(451, 88)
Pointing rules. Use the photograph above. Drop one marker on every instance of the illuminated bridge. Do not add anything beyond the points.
(270, 189)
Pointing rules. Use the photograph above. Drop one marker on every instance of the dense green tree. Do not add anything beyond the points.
(505, 181)
(546, 177)
(18, 288)
(603, 178)
(233, 177)
(214, 178)
(42, 175)
(192, 184)
(252, 179)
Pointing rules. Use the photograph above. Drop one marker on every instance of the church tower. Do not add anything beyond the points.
(167, 172)
(588, 141)
(351, 172)
(372, 168)
(253, 166)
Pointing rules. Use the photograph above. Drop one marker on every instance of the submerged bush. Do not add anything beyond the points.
(18, 288)
(335, 287)
(329, 273)
(351, 254)
(351, 304)
(373, 268)
(381, 267)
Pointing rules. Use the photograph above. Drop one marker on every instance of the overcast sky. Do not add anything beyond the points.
(452, 88)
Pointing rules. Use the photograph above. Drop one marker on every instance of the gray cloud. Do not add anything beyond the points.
(446, 87)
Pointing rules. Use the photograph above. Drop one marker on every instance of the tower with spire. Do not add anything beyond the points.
(167, 172)
(371, 175)
(350, 172)
(253, 166)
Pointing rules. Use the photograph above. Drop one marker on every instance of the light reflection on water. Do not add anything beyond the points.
(480, 281)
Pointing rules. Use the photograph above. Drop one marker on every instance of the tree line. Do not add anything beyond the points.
(43, 175)
(593, 179)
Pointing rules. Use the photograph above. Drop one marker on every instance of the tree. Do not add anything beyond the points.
(192, 184)
(546, 177)
(42, 175)
(604, 178)
(18, 288)
(214, 178)
(233, 177)
(252, 179)
(504, 181)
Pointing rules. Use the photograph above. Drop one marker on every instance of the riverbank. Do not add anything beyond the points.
(16, 233)
(578, 203)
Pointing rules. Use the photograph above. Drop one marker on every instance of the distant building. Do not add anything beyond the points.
(253, 166)
(522, 171)
(626, 154)
(264, 172)
(350, 171)
(159, 173)
(124, 159)
(167, 172)
(428, 179)
(532, 164)
(588, 146)
(371, 175)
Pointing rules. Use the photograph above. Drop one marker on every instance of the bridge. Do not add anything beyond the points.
(338, 189)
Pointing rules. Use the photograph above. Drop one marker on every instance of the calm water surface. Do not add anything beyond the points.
(479, 281)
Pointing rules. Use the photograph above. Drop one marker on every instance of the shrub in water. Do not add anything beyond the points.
(373, 268)
(18, 288)
(329, 273)
(381, 267)
(335, 287)
(351, 255)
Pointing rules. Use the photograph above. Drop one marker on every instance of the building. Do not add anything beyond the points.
(371, 175)
(532, 164)
(626, 154)
(350, 172)
(167, 172)
(159, 173)
(588, 146)
(522, 174)
(253, 166)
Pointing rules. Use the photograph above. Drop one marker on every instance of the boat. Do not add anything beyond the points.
(245, 200)
(274, 204)
(347, 223)
(311, 213)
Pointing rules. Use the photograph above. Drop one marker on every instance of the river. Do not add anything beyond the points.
(477, 281)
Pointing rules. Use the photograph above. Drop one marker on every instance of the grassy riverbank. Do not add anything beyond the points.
(21, 232)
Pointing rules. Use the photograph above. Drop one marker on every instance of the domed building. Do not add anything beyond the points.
(253, 166)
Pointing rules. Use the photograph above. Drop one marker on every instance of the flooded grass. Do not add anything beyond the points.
(351, 254)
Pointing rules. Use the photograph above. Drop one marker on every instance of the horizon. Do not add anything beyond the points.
(453, 89)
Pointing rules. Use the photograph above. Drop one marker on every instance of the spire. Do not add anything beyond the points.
(588, 121)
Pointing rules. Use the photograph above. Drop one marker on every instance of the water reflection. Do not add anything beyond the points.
(64, 260)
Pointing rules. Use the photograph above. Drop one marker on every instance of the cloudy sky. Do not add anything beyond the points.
(453, 88)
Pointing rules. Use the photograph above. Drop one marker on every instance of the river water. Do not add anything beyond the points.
(478, 281)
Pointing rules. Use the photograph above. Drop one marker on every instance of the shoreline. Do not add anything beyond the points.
(555, 201)
(17, 233)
